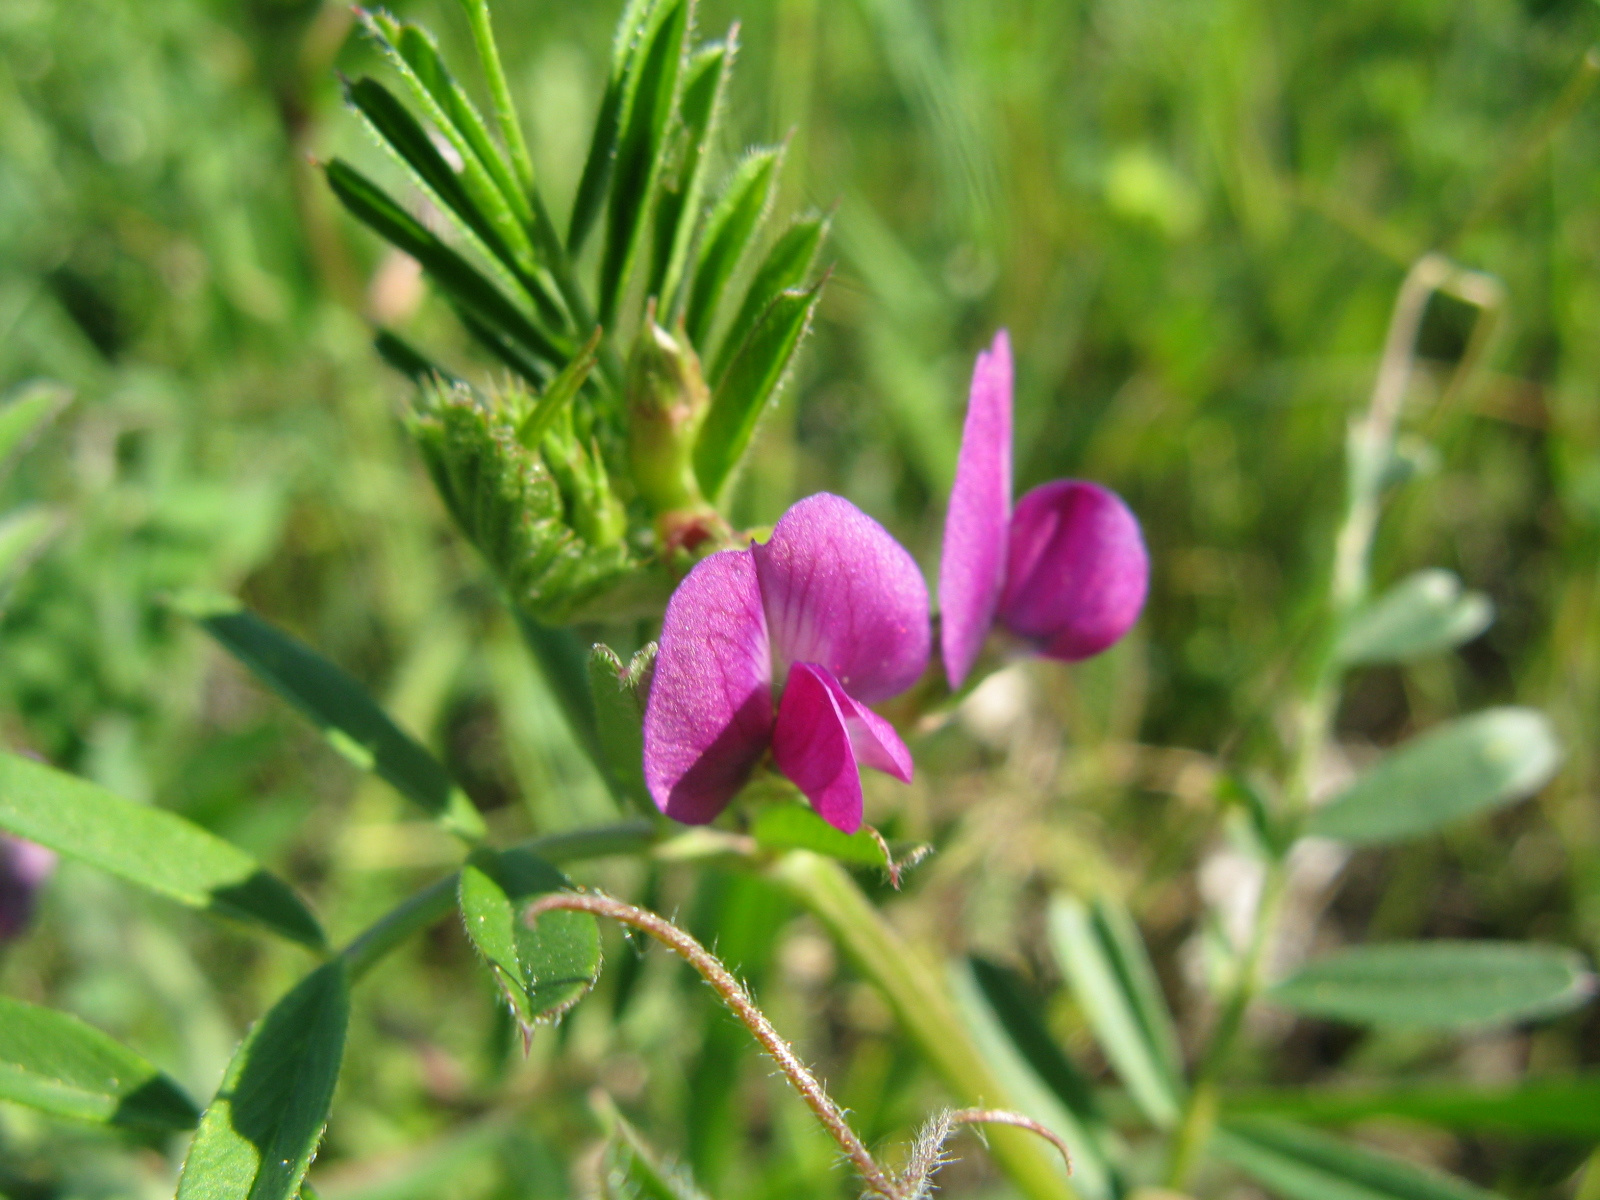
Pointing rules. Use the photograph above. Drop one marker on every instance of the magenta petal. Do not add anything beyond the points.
(972, 566)
(823, 734)
(842, 593)
(709, 717)
(1077, 571)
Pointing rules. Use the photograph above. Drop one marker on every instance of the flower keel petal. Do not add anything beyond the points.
(973, 561)
(709, 717)
(840, 592)
(823, 736)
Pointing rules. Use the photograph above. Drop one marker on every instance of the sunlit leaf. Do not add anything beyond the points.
(1475, 763)
(54, 1062)
(1439, 984)
(798, 827)
(601, 160)
(1422, 614)
(339, 706)
(259, 1135)
(1104, 958)
(731, 227)
(784, 268)
(543, 970)
(704, 89)
(26, 411)
(631, 1170)
(24, 534)
(150, 847)
(751, 381)
(1302, 1164)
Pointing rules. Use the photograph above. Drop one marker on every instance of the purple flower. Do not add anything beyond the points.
(782, 647)
(23, 868)
(1066, 572)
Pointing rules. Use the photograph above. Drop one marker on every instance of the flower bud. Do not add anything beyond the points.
(23, 868)
(1077, 569)
(667, 401)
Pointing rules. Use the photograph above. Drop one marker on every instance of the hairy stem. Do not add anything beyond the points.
(732, 993)
(917, 995)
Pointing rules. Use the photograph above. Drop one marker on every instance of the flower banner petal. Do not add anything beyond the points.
(1078, 569)
(840, 592)
(709, 716)
(973, 562)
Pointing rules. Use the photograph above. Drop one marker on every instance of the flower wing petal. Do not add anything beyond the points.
(972, 565)
(822, 738)
(1078, 569)
(709, 716)
(839, 591)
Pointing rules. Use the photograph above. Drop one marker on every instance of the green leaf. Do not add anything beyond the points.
(730, 229)
(618, 693)
(1422, 614)
(1302, 1164)
(26, 411)
(260, 1133)
(1553, 1107)
(408, 360)
(632, 1170)
(404, 136)
(751, 381)
(601, 160)
(704, 91)
(544, 970)
(459, 279)
(1479, 762)
(340, 707)
(54, 1062)
(1037, 1073)
(784, 267)
(651, 105)
(24, 534)
(798, 827)
(151, 847)
(1439, 984)
(1100, 951)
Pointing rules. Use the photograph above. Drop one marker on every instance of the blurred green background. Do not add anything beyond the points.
(1192, 215)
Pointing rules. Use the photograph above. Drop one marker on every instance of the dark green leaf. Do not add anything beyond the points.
(543, 970)
(648, 111)
(1439, 984)
(730, 229)
(784, 268)
(27, 410)
(455, 276)
(1423, 614)
(679, 214)
(1016, 1043)
(618, 694)
(147, 846)
(340, 707)
(1100, 950)
(408, 360)
(1302, 1164)
(1554, 1107)
(752, 380)
(54, 1062)
(260, 1133)
(401, 132)
(601, 160)
(1479, 762)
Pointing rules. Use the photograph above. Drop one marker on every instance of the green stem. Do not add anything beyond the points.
(417, 912)
(916, 993)
(1369, 451)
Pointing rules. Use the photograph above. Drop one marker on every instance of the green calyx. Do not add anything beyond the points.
(667, 400)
